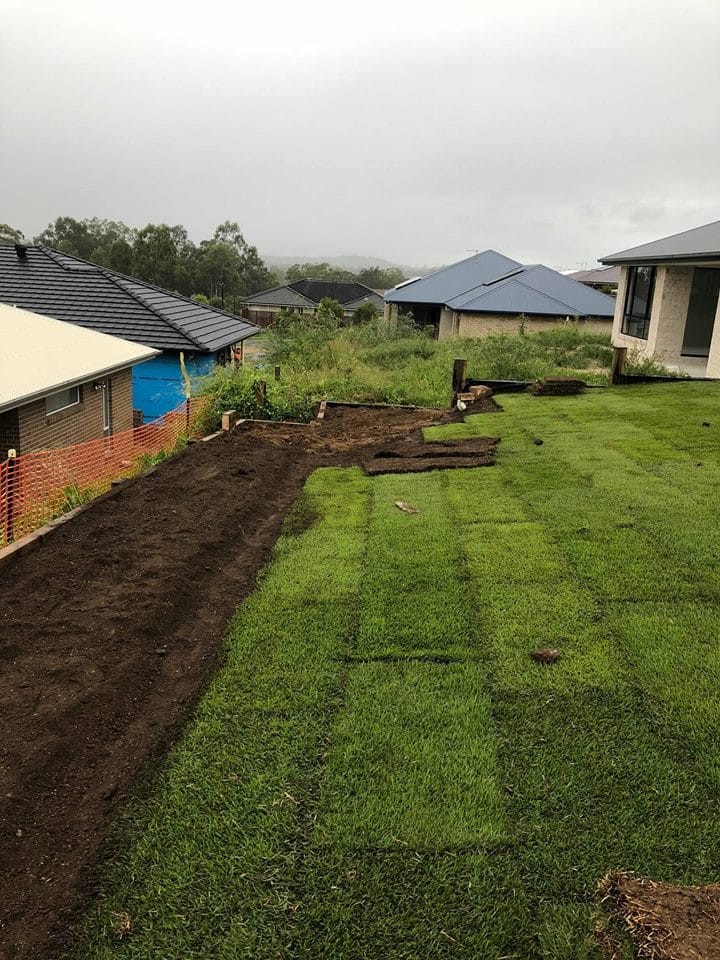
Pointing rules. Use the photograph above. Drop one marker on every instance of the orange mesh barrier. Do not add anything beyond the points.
(36, 487)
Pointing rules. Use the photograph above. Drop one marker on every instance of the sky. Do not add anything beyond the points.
(414, 131)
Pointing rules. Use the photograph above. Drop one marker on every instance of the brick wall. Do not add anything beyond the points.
(9, 432)
(39, 431)
(482, 324)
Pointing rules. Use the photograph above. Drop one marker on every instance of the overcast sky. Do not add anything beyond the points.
(416, 131)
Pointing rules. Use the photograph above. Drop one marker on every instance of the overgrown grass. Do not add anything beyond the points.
(380, 770)
(383, 363)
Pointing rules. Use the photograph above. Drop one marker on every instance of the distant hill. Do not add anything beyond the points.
(350, 262)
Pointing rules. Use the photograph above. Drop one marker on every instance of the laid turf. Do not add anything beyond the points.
(381, 770)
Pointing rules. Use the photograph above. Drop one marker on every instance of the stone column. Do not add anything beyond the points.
(713, 364)
(671, 299)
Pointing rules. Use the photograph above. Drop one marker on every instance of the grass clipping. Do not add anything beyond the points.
(662, 921)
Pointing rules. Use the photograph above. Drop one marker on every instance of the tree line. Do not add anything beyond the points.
(221, 270)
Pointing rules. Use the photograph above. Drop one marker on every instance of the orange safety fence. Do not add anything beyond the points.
(37, 487)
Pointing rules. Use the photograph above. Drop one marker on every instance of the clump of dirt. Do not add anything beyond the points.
(557, 387)
(110, 629)
(414, 456)
(663, 921)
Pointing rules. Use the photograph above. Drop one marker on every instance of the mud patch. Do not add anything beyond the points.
(662, 921)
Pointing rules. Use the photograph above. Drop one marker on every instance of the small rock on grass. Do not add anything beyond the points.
(546, 655)
(406, 507)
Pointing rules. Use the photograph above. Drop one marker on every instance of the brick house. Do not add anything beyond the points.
(304, 296)
(667, 304)
(490, 293)
(61, 384)
(55, 284)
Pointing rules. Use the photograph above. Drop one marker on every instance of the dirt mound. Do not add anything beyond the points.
(557, 387)
(110, 629)
(663, 921)
(414, 456)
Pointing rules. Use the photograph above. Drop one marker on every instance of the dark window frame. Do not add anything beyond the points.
(74, 391)
(638, 324)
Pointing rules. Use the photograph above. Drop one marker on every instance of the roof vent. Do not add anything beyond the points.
(21, 251)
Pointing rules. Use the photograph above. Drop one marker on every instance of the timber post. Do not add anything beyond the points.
(11, 494)
(458, 380)
(618, 362)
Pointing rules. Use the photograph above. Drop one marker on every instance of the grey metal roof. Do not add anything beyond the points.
(371, 297)
(502, 285)
(67, 288)
(701, 243)
(282, 296)
(600, 275)
(441, 285)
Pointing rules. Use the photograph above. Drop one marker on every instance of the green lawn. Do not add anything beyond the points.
(381, 771)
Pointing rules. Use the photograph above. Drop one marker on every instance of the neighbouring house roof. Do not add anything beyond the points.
(448, 282)
(600, 275)
(67, 288)
(41, 355)
(309, 293)
(491, 283)
(701, 243)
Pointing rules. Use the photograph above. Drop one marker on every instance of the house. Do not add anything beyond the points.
(490, 293)
(605, 279)
(61, 384)
(667, 304)
(40, 279)
(304, 296)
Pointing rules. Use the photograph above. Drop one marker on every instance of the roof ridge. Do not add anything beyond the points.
(116, 275)
(118, 278)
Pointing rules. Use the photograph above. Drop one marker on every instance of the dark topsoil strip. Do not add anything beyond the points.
(109, 632)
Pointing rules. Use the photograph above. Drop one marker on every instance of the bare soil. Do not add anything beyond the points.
(110, 630)
(414, 456)
(663, 921)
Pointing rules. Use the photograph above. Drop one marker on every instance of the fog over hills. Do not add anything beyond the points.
(352, 262)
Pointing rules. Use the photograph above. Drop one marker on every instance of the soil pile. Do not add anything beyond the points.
(663, 921)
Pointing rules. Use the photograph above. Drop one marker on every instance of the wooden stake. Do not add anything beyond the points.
(618, 362)
(458, 379)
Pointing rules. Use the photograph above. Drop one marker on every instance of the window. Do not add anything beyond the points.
(638, 302)
(62, 399)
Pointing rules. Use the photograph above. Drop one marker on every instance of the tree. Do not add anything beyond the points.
(366, 312)
(381, 278)
(316, 271)
(10, 234)
(163, 255)
(229, 260)
(88, 239)
(329, 314)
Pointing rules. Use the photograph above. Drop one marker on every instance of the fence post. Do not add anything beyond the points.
(11, 494)
(618, 362)
(187, 417)
(260, 388)
(277, 373)
(458, 380)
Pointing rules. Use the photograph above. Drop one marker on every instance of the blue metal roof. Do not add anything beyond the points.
(500, 285)
(448, 282)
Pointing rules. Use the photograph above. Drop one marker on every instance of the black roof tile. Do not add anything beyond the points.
(67, 288)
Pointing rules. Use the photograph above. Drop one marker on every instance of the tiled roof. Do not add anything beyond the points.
(67, 288)
(309, 293)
